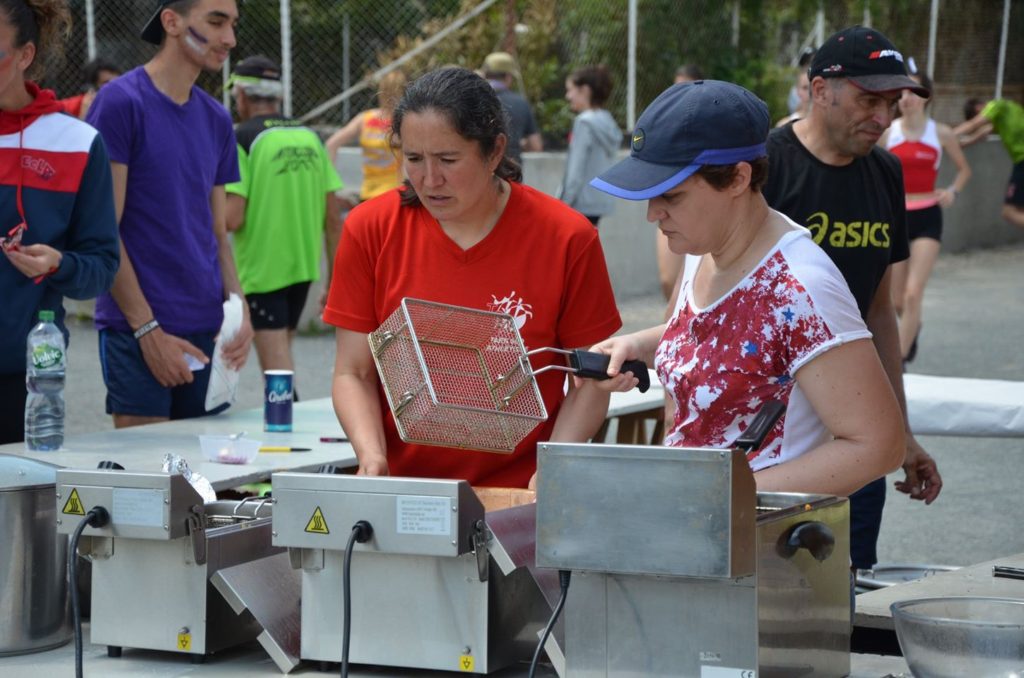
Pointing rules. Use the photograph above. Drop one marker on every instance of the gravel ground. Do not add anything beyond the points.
(974, 317)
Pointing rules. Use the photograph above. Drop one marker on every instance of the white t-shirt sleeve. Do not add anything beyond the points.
(830, 300)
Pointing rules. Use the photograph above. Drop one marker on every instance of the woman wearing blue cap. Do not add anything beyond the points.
(762, 312)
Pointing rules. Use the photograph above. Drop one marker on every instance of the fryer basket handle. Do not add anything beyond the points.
(591, 365)
(752, 438)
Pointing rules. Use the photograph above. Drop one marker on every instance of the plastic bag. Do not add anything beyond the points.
(223, 386)
(175, 464)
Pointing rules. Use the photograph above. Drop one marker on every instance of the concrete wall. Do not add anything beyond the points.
(973, 221)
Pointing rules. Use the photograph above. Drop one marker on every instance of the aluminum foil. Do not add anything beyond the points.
(175, 464)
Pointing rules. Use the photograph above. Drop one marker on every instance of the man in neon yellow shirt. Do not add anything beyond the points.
(280, 211)
(1005, 118)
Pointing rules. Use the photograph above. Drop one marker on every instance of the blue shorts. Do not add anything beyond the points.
(866, 506)
(133, 390)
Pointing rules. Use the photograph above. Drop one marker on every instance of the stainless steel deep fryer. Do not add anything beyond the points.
(461, 377)
(153, 563)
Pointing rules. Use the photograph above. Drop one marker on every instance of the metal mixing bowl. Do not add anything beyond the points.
(957, 637)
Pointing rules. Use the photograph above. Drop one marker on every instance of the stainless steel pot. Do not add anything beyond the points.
(34, 612)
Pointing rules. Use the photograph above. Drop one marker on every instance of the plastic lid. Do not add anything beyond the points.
(46, 316)
(20, 473)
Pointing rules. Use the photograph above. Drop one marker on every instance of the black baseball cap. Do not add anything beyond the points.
(153, 31)
(867, 59)
(689, 125)
(258, 66)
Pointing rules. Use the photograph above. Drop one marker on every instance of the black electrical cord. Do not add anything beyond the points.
(96, 517)
(361, 532)
(563, 583)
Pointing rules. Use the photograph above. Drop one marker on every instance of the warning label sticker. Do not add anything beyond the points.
(185, 642)
(73, 506)
(317, 523)
(466, 662)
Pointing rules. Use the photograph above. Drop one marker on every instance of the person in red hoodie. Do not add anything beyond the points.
(97, 73)
(57, 227)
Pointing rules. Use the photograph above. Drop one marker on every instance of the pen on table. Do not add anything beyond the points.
(1007, 572)
(286, 449)
(333, 439)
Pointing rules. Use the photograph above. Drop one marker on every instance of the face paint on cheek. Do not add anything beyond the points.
(195, 40)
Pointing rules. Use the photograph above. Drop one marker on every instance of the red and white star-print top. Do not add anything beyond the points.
(722, 362)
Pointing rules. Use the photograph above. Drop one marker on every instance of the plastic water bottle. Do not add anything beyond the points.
(45, 363)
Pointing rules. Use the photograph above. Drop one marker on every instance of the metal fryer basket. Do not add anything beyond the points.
(456, 377)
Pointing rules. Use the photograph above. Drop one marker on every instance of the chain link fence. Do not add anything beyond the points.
(957, 42)
(330, 47)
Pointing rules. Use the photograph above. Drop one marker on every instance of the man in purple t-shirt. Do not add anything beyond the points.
(172, 150)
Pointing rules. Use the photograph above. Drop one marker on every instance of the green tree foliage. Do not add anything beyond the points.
(555, 38)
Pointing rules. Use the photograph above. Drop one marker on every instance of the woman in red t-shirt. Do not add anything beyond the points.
(464, 230)
(918, 142)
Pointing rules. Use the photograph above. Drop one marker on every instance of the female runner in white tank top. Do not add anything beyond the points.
(918, 141)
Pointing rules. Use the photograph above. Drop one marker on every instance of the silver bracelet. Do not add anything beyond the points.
(145, 329)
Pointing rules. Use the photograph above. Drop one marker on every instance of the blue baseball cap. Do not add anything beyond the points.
(708, 122)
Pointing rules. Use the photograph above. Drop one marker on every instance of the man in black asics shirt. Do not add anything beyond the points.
(827, 174)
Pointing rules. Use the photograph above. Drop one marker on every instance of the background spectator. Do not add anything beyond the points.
(592, 145)
(1005, 118)
(95, 75)
(803, 92)
(795, 98)
(918, 142)
(688, 73)
(281, 210)
(382, 170)
(523, 134)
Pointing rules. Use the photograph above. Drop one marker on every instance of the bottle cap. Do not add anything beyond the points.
(46, 316)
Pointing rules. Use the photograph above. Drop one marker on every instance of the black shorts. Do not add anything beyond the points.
(926, 223)
(279, 309)
(1015, 190)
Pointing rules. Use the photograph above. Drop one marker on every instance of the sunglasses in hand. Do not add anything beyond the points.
(13, 237)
